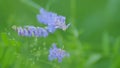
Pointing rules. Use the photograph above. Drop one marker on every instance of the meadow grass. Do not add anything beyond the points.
(92, 40)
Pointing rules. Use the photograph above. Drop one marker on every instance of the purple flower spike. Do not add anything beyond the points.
(57, 53)
(32, 31)
(52, 20)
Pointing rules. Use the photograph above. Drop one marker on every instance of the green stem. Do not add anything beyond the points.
(73, 9)
(49, 4)
(31, 3)
(73, 14)
(106, 44)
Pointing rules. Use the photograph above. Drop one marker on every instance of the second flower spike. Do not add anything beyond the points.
(57, 53)
(31, 31)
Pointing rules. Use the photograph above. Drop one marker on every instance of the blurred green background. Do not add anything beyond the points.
(93, 39)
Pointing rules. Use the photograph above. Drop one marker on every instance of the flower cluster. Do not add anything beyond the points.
(57, 53)
(52, 20)
(31, 31)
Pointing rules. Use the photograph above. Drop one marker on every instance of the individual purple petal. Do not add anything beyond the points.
(50, 57)
(60, 59)
(51, 29)
(44, 32)
(20, 31)
(31, 30)
(42, 11)
(39, 31)
(60, 19)
(25, 32)
(41, 19)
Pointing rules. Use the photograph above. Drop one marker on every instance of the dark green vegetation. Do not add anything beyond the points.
(93, 39)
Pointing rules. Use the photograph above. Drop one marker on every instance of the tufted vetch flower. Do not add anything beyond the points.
(57, 53)
(31, 31)
(52, 20)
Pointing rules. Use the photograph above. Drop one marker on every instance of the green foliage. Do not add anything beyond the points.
(93, 39)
